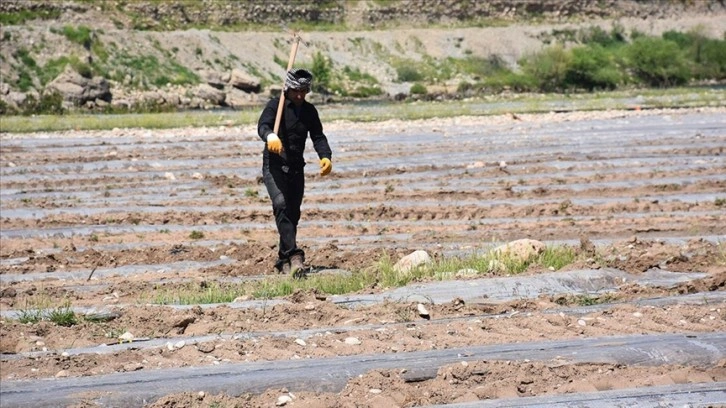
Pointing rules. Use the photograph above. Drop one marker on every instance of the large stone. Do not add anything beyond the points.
(242, 81)
(215, 79)
(238, 99)
(77, 89)
(411, 261)
(16, 98)
(522, 249)
(210, 94)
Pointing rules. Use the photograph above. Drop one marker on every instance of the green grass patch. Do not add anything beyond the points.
(196, 235)
(148, 70)
(194, 293)
(81, 35)
(586, 299)
(514, 103)
(23, 16)
(557, 257)
(161, 120)
(280, 286)
(43, 310)
(380, 274)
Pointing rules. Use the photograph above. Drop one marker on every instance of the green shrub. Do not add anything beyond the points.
(711, 60)
(6, 109)
(548, 67)
(83, 68)
(52, 69)
(355, 74)
(464, 87)
(684, 40)
(365, 91)
(592, 68)
(657, 62)
(81, 35)
(49, 104)
(24, 56)
(322, 71)
(517, 82)
(597, 36)
(418, 89)
(25, 80)
(708, 56)
(481, 67)
(407, 73)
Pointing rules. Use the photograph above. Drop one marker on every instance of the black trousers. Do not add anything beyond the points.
(286, 188)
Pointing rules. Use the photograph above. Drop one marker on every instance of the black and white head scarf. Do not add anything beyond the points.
(298, 79)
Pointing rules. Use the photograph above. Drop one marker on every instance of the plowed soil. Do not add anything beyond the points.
(113, 221)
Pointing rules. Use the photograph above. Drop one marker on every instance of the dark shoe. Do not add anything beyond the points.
(285, 268)
(297, 267)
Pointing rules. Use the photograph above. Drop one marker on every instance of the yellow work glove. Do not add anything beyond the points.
(325, 166)
(274, 144)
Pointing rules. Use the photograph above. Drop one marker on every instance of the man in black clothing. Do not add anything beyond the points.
(283, 162)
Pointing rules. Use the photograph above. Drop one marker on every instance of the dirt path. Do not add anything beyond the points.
(151, 213)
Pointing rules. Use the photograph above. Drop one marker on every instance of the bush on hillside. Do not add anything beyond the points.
(592, 68)
(548, 68)
(657, 62)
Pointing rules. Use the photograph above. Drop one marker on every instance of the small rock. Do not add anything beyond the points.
(207, 347)
(283, 400)
(300, 342)
(353, 341)
(127, 336)
(422, 311)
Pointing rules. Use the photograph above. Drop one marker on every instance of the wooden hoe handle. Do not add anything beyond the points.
(290, 62)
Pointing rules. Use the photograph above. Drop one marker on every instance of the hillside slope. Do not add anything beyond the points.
(232, 65)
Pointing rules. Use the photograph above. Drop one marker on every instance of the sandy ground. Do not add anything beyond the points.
(106, 220)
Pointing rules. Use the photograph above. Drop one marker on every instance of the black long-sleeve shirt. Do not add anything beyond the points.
(295, 126)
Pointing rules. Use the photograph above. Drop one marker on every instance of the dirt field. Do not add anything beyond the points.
(110, 221)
